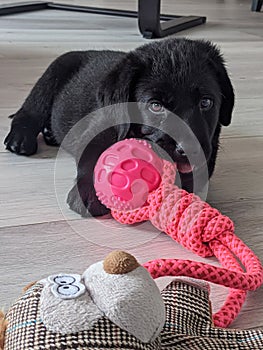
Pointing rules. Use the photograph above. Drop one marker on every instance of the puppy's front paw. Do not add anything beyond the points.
(21, 141)
(83, 200)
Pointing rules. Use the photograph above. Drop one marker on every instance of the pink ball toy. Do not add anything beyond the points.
(126, 173)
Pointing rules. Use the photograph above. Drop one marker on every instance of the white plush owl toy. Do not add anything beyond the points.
(115, 304)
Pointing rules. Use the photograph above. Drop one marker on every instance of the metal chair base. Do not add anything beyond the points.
(149, 17)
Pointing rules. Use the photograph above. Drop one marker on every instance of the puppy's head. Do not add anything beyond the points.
(175, 83)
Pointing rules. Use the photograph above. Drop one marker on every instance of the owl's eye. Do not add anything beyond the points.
(206, 103)
(156, 107)
(66, 286)
(68, 290)
(67, 279)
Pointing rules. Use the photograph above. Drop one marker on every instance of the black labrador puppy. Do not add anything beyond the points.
(165, 78)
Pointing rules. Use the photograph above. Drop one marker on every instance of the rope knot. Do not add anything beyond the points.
(184, 216)
(199, 225)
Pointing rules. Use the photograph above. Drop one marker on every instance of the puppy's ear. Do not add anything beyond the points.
(228, 96)
(217, 63)
(118, 88)
(119, 84)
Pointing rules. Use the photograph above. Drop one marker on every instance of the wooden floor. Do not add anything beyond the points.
(38, 234)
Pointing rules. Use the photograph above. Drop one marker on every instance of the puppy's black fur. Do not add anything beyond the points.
(173, 76)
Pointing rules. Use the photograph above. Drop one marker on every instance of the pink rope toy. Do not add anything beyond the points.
(137, 185)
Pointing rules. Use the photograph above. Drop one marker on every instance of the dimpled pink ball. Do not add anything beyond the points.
(126, 173)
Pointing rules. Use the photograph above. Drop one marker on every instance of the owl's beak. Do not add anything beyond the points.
(119, 262)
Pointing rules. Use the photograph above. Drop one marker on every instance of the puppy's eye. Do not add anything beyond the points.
(206, 103)
(155, 107)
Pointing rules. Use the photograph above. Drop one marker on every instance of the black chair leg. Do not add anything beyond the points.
(256, 5)
(149, 17)
(11, 9)
(151, 27)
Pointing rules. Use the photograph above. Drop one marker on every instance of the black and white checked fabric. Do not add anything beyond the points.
(188, 327)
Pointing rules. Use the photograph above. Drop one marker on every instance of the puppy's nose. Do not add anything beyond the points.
(180, 151)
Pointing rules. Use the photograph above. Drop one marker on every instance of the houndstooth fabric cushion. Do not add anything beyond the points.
(188, 327)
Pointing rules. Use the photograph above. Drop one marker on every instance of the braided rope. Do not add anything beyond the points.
(206, 232)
